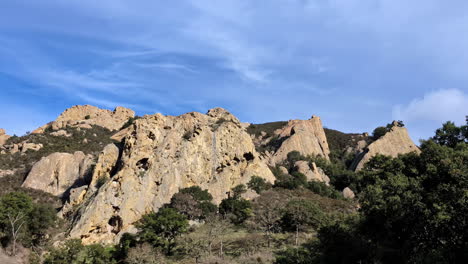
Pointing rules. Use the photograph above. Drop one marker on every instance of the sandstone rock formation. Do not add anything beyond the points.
(20, 147)
(3, 136)
(160, 155)
(305, 136)
(84, 116)
(314, 174)
(107, 162)
(58, 172)
(394, 142)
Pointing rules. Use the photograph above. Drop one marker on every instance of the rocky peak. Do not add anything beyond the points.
(305, 136)
(84, 116)
(222, 114)
(160, 155)
(395, 141)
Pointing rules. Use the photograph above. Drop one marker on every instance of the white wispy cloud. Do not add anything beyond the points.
(439, 106)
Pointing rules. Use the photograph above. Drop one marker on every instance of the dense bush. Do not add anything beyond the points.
(193, 202)
(258, 184)
(322, 189)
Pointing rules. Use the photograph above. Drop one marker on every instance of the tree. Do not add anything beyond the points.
(267, 213)
(40, 219)
(144, 254)
(14, 210)
(300, 214)
(450, 135)
(235, 208)
(258, 184)
(161, 229)
(193, 202)
(238, 190)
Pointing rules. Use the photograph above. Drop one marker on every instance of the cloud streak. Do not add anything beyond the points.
(281, 60)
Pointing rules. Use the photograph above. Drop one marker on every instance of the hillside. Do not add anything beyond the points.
(203, 188)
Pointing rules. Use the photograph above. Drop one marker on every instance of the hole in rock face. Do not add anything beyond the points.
(116, 223)
(143, 164)
(249, 156)
(236, 159)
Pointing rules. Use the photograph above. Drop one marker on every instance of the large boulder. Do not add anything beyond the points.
(59, 172)
(162, 154)
(305, 136)
(312, 174)
(84, 116)
(348, 193)
(394, 142)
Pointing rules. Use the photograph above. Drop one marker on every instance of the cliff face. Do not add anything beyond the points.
(58, 172)
(394, 142)
(85, 116)
(160, 155)
(305, 136)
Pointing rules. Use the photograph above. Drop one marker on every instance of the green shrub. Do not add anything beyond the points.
(258, 184)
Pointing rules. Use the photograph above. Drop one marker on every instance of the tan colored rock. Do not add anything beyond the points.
(394, 142)
(4, 173)
(29, 146)
(305, 136)
(106, 164)
(58, 172)
(284, 170)
(21, 147)
(76, 197)
(348, 193)
(3, 137)
(61, 133)
(162, 154)
(85, 116)
(314, 174)
(119, 136)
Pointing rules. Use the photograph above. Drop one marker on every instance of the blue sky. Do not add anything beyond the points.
(357, 64)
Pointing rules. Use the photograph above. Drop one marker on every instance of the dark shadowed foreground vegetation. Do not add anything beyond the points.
(409, 209)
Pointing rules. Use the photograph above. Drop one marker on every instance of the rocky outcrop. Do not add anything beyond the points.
(162, 154)
(3, 137)
(61, 133)
(314, 174)
(305, 136)
(106, 165)
(395, 141)
(59, 172)
(85, 116)
(22, 147)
